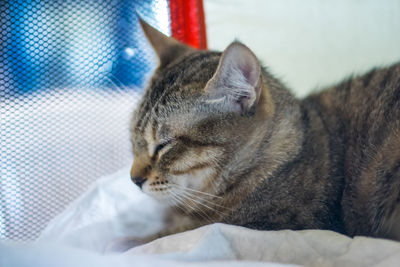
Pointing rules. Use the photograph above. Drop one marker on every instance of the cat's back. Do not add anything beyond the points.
(365, 110)
(369, 96)
(364, 114)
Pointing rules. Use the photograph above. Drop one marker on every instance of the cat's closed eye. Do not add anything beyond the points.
(160, 147)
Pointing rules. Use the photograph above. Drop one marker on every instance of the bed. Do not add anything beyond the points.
(93, 231)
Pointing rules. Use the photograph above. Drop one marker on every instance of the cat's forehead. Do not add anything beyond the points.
(184, 77)
(167, 120)
(174, 91)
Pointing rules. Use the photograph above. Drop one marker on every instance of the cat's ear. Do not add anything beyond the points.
(166, 48)
(237, 83)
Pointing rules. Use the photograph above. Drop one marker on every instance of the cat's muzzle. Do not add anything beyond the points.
(138, 180)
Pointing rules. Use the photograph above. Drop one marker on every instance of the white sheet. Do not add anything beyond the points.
(113, 208)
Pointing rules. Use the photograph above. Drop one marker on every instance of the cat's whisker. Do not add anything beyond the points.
(180, 199)
(196, 191)
(188, 196)
(182, 190)
(173, 201)
(176, 201)
(201, 198)
(203, 214)
(197, 211)
(216, 210)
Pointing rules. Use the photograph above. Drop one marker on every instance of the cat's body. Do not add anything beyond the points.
(221, 140)
(346, 176)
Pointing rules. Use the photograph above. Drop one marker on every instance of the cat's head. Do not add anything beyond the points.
(197, 116)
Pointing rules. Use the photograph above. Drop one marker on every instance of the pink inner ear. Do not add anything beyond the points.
(240, 57)
(248, 72)
(238, 78)
(250, 66)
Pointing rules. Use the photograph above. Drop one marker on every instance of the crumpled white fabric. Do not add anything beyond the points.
(91, 232)
(112, 209)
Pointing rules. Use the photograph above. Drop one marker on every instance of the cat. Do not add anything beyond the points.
(218, 139)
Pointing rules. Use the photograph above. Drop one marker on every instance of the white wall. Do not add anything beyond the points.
(311, 43)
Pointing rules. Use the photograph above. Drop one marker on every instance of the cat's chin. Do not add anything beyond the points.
(164, 200)
(161, 196)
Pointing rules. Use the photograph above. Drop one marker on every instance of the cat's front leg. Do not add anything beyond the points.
(174, 223)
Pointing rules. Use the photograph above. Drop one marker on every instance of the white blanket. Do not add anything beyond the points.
(90, 232)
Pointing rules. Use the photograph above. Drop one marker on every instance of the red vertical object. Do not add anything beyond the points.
(187, 22)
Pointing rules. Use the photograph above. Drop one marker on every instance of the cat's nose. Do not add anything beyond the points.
(138, 180)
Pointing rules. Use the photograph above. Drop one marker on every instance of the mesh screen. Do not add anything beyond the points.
(70, 75)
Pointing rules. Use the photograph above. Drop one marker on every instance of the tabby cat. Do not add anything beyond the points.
(219, 139)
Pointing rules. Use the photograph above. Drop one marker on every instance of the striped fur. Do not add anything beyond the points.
(329, 161)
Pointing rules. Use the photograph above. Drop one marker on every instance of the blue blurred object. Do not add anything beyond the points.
(64, 44)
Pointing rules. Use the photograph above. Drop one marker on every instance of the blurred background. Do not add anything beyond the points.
(309, 44)
(71, 73)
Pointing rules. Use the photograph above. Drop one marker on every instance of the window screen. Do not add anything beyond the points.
(70, 75)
